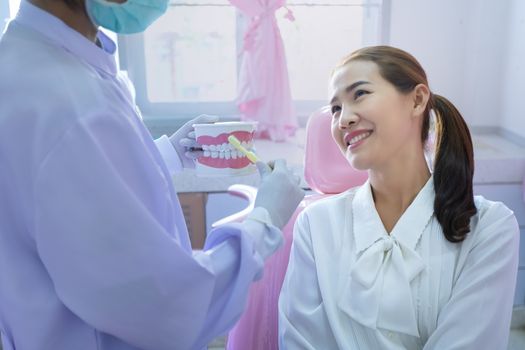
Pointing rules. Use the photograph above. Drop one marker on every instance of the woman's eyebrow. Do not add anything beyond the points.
(349, 88)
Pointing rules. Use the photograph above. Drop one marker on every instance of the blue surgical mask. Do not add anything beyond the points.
(132, 16)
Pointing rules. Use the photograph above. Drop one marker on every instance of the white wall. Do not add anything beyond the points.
(484, 61)
(513, 93)
(460, 45)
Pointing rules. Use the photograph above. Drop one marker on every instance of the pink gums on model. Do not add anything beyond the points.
(233, 163)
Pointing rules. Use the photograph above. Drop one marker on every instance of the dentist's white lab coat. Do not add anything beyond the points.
(94, 252)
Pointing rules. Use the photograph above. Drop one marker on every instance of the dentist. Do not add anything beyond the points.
(94, 252)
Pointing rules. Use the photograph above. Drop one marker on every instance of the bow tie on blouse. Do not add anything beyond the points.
(377, 292)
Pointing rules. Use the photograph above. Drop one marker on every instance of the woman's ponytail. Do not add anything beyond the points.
(453, 171)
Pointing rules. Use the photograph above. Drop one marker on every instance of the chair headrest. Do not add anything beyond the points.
(326, 170)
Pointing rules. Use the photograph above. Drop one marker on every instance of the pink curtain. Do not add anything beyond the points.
(263, 88)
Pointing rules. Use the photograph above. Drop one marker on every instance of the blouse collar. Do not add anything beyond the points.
(368, 227)
(376, 291)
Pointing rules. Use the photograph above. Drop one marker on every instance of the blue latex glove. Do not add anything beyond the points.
(279, 192)
(184, 142)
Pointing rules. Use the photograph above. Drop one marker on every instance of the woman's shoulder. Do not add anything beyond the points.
(493, 217)
(330, 203)
(327, 214)
(490, 210)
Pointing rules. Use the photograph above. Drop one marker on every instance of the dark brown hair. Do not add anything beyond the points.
(454, 158)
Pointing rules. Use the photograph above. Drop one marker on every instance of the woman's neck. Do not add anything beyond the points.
(395, 186)
(398, 188)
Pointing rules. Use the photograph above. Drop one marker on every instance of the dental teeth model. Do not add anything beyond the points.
(220, 158)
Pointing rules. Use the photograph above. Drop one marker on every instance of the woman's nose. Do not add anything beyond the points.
(348, 118)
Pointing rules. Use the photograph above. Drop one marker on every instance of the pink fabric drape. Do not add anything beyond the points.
(263, 88)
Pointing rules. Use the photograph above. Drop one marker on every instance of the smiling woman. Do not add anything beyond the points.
(405, 260)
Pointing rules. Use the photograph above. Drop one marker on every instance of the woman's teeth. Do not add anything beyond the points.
(359, 137)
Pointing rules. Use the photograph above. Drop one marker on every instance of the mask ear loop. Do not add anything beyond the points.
(430, 144)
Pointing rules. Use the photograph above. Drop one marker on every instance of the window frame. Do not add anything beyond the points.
(167, 113)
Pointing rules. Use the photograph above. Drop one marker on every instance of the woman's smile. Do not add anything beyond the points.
(356, 138)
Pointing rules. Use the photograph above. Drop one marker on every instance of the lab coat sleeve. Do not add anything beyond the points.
(478, 313)
(221, 256)
(102, 213)
(168, 153)
(302, 318)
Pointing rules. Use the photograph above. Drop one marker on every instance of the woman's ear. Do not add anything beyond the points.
(421, 94)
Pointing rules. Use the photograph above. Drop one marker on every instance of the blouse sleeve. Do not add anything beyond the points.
(302, 319)
(478, 314)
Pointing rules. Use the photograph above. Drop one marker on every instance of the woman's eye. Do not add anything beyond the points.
(359, 93)
(335, 109)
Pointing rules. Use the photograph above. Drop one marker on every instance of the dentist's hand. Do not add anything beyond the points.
(279, 192)
(184, 142)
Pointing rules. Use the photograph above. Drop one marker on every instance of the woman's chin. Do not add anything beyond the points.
(358, 163)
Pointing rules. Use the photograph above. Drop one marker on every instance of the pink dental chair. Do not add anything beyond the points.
(327, 172)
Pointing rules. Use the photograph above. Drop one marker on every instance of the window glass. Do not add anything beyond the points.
(188, 61)
(318, 38)
(13, 7)
(191, 54)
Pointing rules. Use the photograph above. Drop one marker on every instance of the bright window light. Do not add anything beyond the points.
(322, 33)
(188, 61)
(190, 53)
(13, 7)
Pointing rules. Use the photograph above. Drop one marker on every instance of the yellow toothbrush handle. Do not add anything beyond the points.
(237, 144)
(252, 157)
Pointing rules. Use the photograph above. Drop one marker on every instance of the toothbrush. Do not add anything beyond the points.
(237, 144)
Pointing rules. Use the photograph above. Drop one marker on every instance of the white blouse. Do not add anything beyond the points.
(351, 285)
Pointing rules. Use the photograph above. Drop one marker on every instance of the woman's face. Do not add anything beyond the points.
(372, 123)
